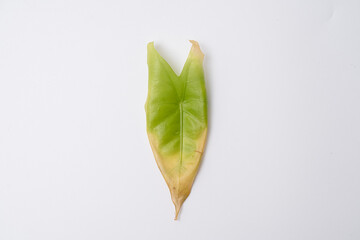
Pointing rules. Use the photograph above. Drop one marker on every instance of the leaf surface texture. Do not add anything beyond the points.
(176, 117)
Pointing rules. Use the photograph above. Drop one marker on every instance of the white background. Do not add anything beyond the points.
(283, 155)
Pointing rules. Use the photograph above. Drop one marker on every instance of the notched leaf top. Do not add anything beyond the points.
(176, 117)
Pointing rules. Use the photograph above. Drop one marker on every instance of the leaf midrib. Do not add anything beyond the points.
(181, 138)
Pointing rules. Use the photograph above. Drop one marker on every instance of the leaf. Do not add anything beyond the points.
(176, 114)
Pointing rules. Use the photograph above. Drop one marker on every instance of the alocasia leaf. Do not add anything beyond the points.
(176, 114)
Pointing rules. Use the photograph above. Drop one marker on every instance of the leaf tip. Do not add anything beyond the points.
(197, 50)
(177, 210)
(178, 202)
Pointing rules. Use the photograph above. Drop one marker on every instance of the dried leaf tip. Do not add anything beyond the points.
(196, 49)
(177, 210)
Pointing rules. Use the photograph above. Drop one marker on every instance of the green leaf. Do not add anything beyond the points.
(176, 117)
